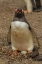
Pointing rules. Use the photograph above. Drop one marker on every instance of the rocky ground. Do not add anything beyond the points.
(7, 8)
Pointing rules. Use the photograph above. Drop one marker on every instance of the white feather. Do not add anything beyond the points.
(21, 36)
(19, 25)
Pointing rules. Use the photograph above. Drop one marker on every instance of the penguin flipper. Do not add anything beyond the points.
(9, 36)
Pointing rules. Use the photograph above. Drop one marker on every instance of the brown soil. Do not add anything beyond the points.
(7, 8)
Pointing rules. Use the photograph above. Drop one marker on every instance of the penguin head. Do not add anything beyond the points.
(19, 13)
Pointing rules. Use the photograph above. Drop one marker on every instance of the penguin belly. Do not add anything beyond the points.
(21, 36)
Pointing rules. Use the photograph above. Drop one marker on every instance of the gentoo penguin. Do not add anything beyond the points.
(32, 5)
(29, 5)
(21, 35)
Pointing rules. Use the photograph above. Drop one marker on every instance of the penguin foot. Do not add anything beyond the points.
(29, 52)
(25, 11)
(23, 52)
(15, 52)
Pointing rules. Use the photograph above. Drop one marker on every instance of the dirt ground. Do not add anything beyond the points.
(7, 8)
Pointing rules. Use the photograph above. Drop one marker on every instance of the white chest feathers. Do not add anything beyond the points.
(21, 36)
(19, 25)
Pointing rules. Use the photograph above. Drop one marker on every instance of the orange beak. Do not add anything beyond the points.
(25, 11)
